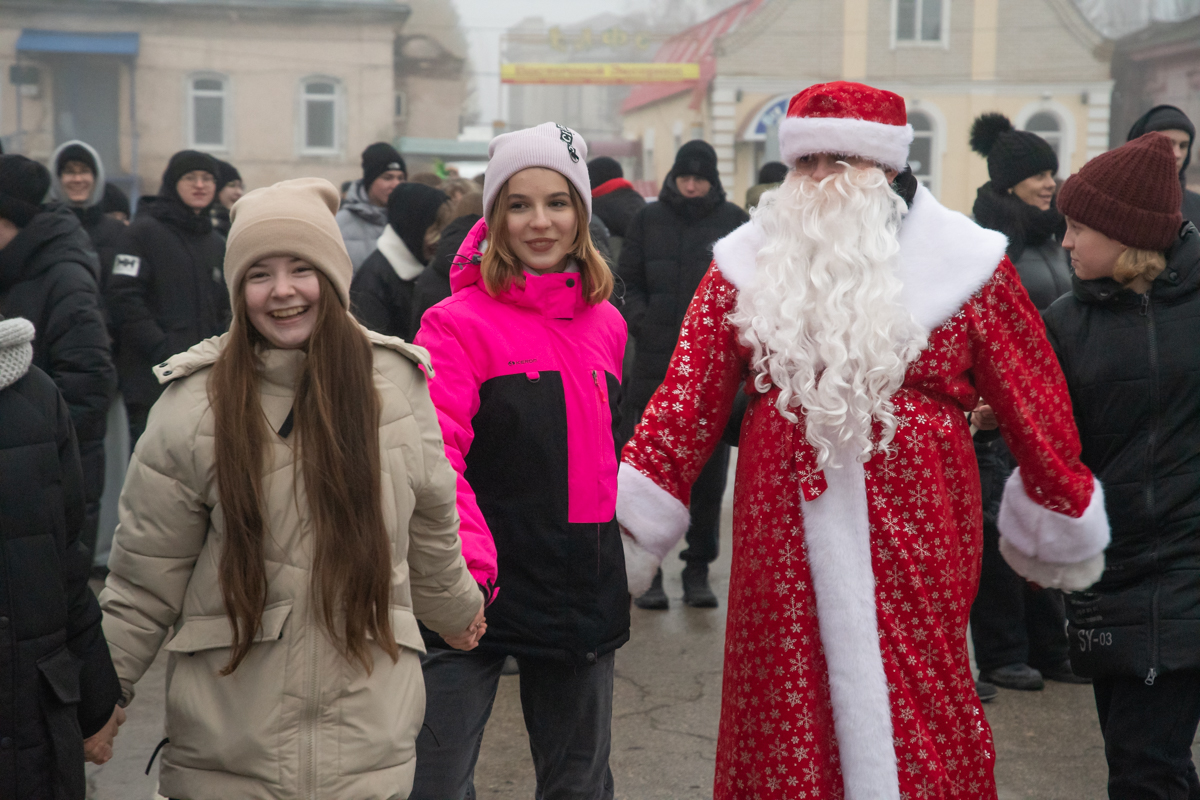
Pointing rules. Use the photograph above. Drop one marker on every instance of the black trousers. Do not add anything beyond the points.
(567, 710)
(704, 532)
(91, 459)
(1012, 622)
(1148, 733)
(138, 414)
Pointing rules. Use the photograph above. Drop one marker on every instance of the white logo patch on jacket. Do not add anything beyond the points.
(126, 265)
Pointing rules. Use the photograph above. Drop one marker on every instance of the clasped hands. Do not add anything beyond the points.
(469, 639)
(98, 748)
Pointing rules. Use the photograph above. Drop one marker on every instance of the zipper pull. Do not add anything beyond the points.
(1150, 676)
(1145, 304)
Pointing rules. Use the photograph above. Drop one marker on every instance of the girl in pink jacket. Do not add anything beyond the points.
(527, 358)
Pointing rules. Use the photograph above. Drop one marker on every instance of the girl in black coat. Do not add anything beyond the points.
(1126, 339)
(381, 295)
(57, 683)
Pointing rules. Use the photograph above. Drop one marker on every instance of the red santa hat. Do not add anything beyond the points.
(847, 118)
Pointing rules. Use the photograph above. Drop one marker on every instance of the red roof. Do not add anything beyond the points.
(696, 44)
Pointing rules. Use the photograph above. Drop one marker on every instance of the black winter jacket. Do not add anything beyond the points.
(1132, 364)
(617, 208)
(381, 300)
(667, 251)
(1033, 242)
(433, 285)
(48, 275)
(167, 292)
(57, 682)
(107, 235)
(1191, 207)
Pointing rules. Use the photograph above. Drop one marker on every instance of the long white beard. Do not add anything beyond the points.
(822, 315)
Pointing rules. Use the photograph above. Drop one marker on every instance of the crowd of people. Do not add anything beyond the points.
(389, 439)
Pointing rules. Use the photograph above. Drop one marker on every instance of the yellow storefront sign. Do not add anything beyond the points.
(599, 73)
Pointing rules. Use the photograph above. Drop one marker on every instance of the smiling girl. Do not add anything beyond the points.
(528, 357)
(287, 517)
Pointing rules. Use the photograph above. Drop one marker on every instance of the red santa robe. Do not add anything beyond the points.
(846, 665)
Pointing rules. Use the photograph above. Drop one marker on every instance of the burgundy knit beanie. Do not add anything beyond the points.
(1130, 194)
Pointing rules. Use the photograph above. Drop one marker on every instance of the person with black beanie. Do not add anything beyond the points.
(363, 214)
(1018, 630)
(1176, 126)
(381, 294)
(229, 190)
(614, 200)
(770, 176)
(666, 252)
(167, 291)
(50, 275)
(115, 203)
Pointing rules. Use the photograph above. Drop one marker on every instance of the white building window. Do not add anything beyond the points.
(920, 21)
(921, 152)
(320, 117)
(1047, 125)
(208, 118)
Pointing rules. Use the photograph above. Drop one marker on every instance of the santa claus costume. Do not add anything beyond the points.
(846, 665)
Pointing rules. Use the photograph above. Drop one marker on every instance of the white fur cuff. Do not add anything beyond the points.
(654, 518)
(1050, 536)
(640, 566)
(1068, 577)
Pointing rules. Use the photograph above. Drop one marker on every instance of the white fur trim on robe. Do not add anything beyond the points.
(944, 258)
(656, 521)
(1050, 548)
(837, 535)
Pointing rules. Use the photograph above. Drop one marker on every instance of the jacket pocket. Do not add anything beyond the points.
(59, 700)
(228, 723)
(379, 715)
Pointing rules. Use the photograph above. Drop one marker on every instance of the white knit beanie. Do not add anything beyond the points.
(16, 350)
(548, 145)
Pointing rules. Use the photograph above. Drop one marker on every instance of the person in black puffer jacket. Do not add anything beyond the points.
(49, 275)
(167, 291)
(614, 200)
(433, 285)
(1126, 339)
(1179, 128)
(1018, 630)
(79, 183)
(667, 250)
(381, 294)
(57, 682)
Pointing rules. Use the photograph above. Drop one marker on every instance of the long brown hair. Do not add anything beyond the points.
(336, 412)
(499, 266)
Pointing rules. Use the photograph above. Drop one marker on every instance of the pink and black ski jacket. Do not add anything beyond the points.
(526, 388)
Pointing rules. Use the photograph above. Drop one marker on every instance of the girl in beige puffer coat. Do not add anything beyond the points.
(287, 517)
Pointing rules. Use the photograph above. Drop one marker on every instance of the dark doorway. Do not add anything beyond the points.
(87, 105)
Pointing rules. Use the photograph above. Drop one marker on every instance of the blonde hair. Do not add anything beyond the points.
(499, 266)
(1137, 269)
(433, 234)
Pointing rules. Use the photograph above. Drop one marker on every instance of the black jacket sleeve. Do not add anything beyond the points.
(632, 272)
(99, 689)
(80, 356)
(369, 299)
(128, 288)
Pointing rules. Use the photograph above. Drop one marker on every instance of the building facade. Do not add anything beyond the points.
(1038, 61)
(280, 88)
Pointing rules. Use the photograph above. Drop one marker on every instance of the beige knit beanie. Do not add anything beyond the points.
(292, 218)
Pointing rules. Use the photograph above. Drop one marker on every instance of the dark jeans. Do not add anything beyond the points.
(568, 714)
(1148, 733)
(1011, 622)
(704, 534)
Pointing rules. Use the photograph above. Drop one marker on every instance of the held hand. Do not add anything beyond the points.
(468, 639)
(98, 748)
(984, 418)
